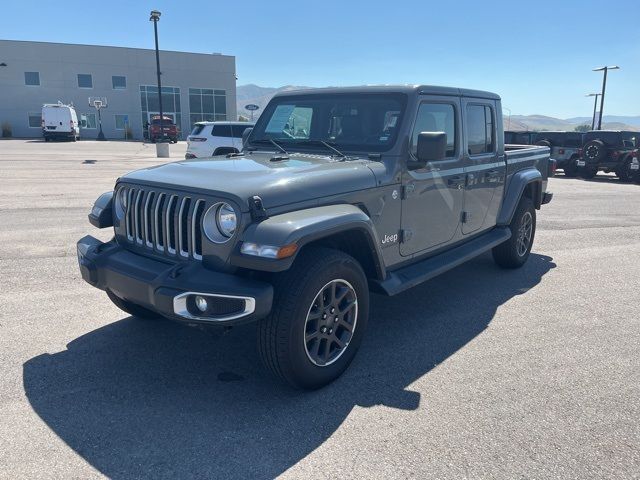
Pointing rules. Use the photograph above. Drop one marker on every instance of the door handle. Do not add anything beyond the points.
(457, 182)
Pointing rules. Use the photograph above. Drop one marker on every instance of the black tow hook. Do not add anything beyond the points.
(176, 272)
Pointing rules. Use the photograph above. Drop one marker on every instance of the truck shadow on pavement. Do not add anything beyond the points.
(150, 399)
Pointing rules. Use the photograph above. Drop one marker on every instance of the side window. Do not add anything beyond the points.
(221, 131)
(436, 117)
(480, 128)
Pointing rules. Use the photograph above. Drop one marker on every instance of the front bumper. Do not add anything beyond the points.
(165, 288)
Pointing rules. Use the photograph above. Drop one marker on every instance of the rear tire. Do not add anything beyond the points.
(319, 316)
(624, 172)
(514, 252)
(571, 169)
(131, 308)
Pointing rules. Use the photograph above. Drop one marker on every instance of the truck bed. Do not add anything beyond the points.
(519, 157)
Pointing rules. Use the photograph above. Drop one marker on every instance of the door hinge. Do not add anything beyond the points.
(464, 217)
(405, 235)
(408, 190)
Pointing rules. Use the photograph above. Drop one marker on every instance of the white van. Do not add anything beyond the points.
(215, 138)
(59, 121)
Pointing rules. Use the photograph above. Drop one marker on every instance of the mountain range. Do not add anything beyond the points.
(256, 95)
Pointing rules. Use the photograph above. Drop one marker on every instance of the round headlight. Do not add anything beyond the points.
(227, 220)
(220, 222)
(121, 202)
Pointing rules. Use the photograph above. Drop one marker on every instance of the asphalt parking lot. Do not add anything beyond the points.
(480, 373)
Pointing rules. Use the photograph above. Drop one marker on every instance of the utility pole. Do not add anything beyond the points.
(604, 87)
(155, 18)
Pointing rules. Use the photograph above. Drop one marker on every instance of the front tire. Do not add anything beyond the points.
(514, 252)
(319, 316)
(131, 308)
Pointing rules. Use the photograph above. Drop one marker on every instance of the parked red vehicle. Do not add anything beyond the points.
(169, 129)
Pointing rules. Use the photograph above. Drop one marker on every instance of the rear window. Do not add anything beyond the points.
(166, 121)
(197, 129)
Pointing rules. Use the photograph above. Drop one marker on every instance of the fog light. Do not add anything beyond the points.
(201, 303)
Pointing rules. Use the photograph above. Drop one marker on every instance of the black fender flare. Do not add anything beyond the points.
(303, 227)
(514, 191)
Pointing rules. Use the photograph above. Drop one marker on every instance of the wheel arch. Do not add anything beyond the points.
(527, 183)
(224, 150)
(343, 227)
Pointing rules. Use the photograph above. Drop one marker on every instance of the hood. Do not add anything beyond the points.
(301, 177)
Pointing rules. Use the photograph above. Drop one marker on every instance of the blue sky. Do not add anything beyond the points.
(537, 55)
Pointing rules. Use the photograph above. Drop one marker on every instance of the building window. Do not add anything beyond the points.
(32, 78)
(207, 105)
(122, 122)
(119, 82)
(150, 106)
(35, 120)
(88, 121)
(85, 80)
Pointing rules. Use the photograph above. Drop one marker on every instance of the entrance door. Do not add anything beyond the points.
(433, 195)
(484, 168)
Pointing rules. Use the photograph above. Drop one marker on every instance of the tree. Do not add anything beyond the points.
(582, 128)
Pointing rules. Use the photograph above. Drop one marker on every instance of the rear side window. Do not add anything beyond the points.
(197, 129)
(436, 117)
(221, 131)
(480, 126)
(238, 130)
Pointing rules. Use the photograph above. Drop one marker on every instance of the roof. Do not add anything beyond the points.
(407, 89)
(226, 122)
(31, 42)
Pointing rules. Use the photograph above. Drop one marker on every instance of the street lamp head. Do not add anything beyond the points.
(612, 67)
(593, 94)
(155, 16)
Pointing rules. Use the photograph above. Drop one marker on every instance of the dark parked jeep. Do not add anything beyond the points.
(565, 149)
(609, 151)
(338, 192)
(512, 137)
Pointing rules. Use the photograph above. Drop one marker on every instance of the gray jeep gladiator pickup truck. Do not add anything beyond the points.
(338, 193)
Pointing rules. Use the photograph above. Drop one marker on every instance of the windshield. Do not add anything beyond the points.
(349, 122)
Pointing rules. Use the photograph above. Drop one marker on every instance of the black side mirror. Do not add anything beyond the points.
(245, 136)
(432, 147)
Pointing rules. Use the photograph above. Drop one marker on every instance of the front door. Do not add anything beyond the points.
(485, 170)
(433, 195)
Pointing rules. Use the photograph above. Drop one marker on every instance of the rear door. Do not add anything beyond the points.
(433, 195)
(221, 136)
(484, 167)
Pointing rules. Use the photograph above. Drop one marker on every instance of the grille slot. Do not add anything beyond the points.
(166, 223)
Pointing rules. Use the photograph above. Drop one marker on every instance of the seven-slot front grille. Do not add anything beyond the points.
(167, 223)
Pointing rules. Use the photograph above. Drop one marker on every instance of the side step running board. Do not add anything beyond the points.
(412, 275)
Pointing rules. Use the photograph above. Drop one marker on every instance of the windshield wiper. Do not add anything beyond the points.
(272, 142)
(326, 144)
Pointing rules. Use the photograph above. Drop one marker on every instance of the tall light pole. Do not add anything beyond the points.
(604, 86)
(155, 18)
(595, 106)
